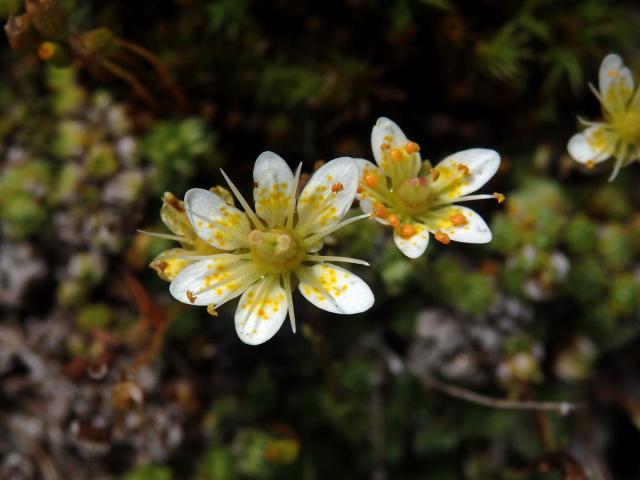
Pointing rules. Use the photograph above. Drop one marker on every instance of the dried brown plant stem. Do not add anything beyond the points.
(151, 318)
(561, 408)
(131, 79)
(430, 382)
(160, 68)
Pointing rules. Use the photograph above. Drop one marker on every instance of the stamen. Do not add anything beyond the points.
(435, 174)
(442, 237)
(211, 310)
(462, 199)
(394, 221)
(458, 219)
(464, 169)
(499, 197)
(328, 230)
(337, 187)
(254, 218)
(370, 180)
(395, 154)
(192, 298)
(407, 230)
(331, 258)
(379, 210)
(412, 147)
(287, 291)
(612, 73)
(166, 236)
(294, 189)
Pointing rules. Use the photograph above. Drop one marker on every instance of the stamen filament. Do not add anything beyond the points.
(330, 258)
(287, 289)
(249, 211)
(332, 228)
(166, 236)
(293, 197)
(466, 198)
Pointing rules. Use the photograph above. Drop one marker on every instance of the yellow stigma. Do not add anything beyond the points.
(278, 250)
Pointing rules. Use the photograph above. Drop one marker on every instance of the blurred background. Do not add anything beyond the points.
(106, 105)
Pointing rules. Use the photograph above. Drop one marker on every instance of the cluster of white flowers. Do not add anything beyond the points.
(262, 254)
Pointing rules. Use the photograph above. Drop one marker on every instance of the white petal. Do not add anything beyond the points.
(593, 145)
(228, 275)
(215, 221)
(414, 246)
(334, 289)
(328, 195)
(261, 311)
(273, 188)
(465, 172)
(470, 229)
(613, 73)
(168, 266)
(387, 132)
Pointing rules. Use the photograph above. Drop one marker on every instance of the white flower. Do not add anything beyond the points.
(618, 136)
(415, 199)
(272, 248)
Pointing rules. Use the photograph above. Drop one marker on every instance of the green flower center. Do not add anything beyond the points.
(277, 250)
(628, 126)
(413, 195)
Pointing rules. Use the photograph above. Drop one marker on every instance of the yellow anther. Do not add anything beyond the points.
(395, 154)
(385, 146)
(435, 174)
(590, 164)
(464, 169)
(442, 238)
(412, 147)
(337, 187)
(379, 210)
(407, 230)
(612, 73)
(499, 197)
(211, 310)
(458, 219)
(370, 180)
(394, 221)
(190, 296)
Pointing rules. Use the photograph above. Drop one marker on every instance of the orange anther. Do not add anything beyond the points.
(612, 73)
(407, 230)
(395, 154)
(499, 197)
(590, 164)
(191, 296)
(435, 174)
(337, 187)
(379, 210)
(359, 189)
(394, 221)
(46, 50)
(385, 146)
(370, 180)
(464, 169)
(458, 219)
(412, 147)
(442, 237)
